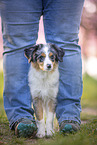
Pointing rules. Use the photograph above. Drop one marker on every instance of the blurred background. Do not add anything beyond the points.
(88, 42)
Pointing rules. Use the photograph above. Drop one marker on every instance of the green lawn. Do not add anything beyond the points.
(89, 98)
(87, 134)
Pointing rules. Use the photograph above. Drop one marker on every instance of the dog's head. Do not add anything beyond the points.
(44, 56)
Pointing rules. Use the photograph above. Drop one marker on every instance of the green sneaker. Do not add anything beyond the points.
(25, 128)
(69, 127)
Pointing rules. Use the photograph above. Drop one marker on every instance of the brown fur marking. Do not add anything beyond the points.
(43, 54)
(51, 105)
(38, 105)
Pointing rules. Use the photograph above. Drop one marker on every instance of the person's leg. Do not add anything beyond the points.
(61, 23)
(20, 20)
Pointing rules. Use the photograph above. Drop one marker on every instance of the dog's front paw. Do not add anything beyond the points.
(49, 132)
(40, 133)
(41, 129)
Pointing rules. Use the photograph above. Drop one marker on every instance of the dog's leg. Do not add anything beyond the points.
(50, 109)
(38, 106)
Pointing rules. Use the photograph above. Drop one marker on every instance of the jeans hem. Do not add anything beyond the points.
(69, 120)
(12, 123)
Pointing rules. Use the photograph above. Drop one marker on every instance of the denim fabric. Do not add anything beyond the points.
(20, 20)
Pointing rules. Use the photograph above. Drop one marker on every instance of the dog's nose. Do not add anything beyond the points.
(48, 66)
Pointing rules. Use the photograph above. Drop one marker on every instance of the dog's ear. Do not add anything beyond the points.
(30, 53)
(60, 52)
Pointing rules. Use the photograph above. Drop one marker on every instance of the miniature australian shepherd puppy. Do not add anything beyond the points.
(43, 81)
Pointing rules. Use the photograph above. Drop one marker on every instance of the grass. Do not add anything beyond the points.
(87, 134)
(89, 97)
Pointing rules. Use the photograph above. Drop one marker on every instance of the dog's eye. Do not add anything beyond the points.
(52, 57)
(41, 58)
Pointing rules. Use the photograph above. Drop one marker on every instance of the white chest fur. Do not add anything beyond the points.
(43, 83)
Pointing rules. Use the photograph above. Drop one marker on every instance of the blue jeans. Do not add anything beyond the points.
(20, 21)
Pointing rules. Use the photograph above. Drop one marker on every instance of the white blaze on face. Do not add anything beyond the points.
(48, 65)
